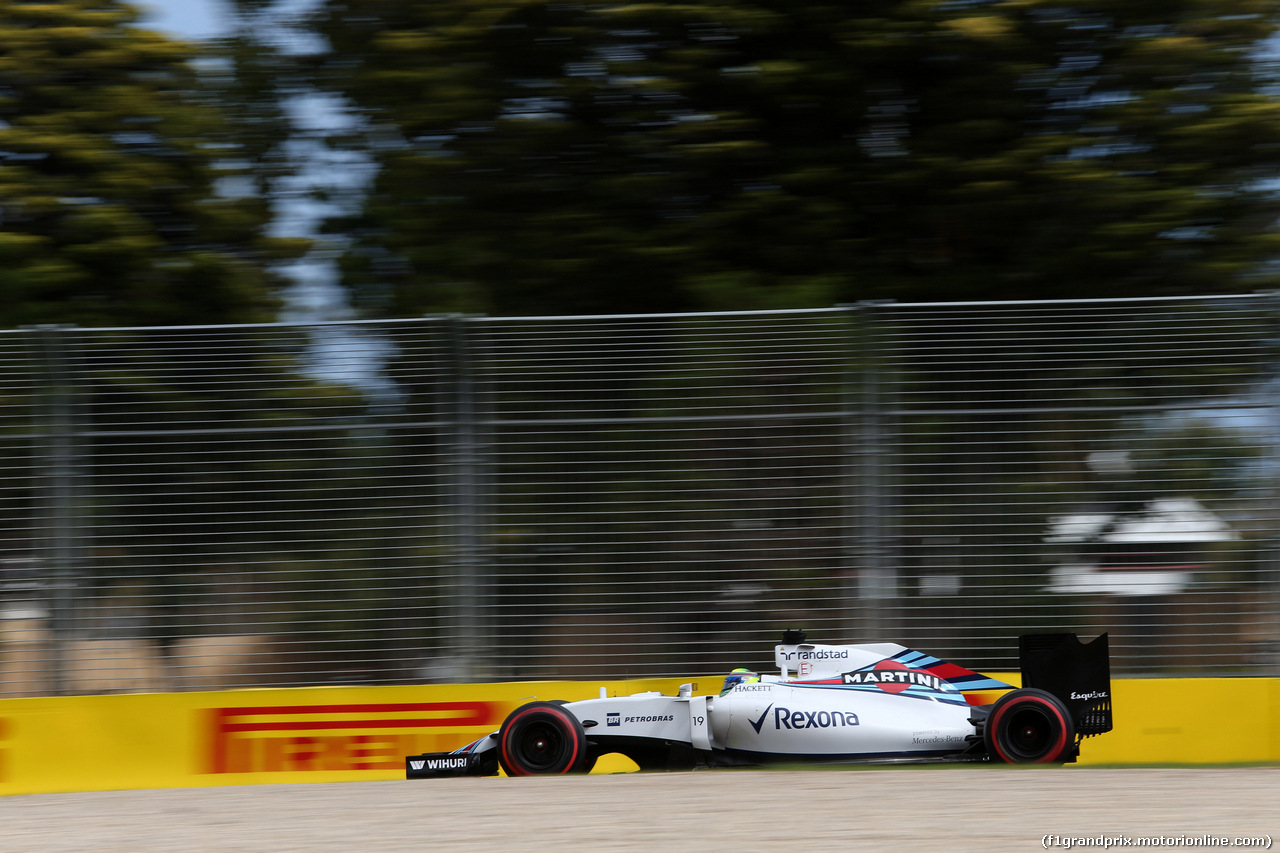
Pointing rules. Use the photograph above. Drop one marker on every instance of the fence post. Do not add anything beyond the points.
(1271, 557)
(466, 493)
(871, 578)
(60, 489)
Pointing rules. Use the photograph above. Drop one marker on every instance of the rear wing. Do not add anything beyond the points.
(1077, 673)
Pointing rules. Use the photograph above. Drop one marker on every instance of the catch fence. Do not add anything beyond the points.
(475, 498)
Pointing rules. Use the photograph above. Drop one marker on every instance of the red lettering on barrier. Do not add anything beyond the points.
(336, 737)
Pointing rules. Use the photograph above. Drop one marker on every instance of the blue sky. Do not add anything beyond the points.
(183, 18)
(317, 295)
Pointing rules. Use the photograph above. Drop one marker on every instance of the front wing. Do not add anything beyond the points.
(474, 759)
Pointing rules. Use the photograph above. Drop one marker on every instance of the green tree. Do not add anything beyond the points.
(121, 199)
(137, 181)
(539, 156)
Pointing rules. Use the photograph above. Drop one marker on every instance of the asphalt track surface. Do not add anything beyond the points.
(779, 811)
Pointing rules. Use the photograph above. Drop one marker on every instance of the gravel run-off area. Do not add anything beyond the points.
(780, 811)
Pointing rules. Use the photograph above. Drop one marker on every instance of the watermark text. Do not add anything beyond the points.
(1107, 842)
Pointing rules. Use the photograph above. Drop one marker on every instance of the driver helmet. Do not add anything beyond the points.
(738, 676)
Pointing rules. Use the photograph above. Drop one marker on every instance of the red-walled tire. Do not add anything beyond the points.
(1029, 726)
(542, 738)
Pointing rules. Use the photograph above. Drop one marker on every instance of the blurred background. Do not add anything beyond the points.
(378, 342)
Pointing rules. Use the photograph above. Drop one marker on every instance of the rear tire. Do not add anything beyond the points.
(1029, 726)
(542, 738)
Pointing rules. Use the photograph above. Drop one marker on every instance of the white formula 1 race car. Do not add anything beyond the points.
(871, 703)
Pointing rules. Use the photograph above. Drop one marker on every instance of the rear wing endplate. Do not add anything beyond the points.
(1077, 673)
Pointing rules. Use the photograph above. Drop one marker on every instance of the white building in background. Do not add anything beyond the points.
(1152, 550)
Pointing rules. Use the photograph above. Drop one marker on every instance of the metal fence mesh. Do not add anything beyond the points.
(463, 498)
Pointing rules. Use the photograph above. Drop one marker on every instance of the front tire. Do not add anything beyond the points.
(1029, 726)
(542, 738)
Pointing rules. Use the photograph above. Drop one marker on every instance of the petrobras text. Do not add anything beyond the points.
(651, 718)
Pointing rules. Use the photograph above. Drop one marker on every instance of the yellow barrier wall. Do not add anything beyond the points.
(330, 734)
(316, 734)
(1190, 721)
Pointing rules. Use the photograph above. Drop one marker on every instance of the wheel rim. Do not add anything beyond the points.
(1030, 734)
(539, 746)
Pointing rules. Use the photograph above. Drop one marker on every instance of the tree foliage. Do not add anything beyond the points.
(538, 156)
(119, 200)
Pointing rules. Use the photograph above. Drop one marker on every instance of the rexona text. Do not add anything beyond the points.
(785, 718)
